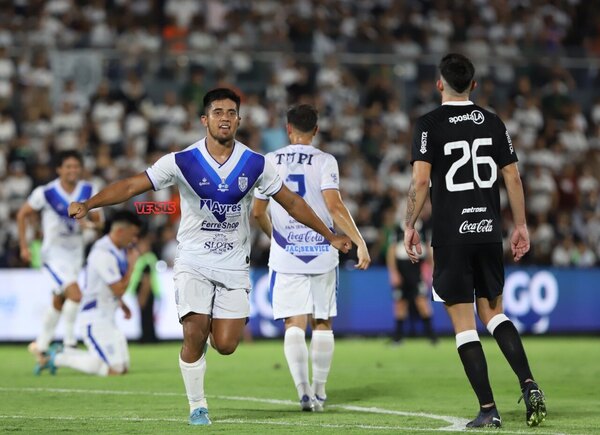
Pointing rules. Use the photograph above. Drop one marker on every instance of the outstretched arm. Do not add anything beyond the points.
(519, 240)
(342, 218)
(417, 194)
(301, 211)
(114, 193)
(259, 211)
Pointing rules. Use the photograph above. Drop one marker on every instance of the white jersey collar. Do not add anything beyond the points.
(458, 103)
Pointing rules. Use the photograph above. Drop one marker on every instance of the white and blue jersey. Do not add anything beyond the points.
(295, 248)
(214, 233)
(63, 239)
(106, 265)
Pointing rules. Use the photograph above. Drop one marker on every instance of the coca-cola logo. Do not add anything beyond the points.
(305, 237)
(483, 226)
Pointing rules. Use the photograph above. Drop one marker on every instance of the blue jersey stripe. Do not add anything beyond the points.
(85, 193)
(96, 345)
(57, 202)
(122, 263)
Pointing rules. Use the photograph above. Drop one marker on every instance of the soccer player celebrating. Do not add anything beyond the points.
(215, 177)
(62, 246)
(109, 267)
(303, 265)
(458, 148)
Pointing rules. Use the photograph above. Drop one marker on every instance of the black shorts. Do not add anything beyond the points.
(461, 271)
(412, 285)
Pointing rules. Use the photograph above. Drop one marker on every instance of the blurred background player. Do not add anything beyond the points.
(303, 265)
(408, 286)
(108, 270)
(62, 246)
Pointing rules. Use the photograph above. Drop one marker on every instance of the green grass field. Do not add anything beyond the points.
(373, 388)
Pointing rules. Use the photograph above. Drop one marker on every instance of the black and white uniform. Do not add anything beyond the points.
(466, 146)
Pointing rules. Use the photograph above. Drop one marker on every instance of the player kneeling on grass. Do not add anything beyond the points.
(108, 269)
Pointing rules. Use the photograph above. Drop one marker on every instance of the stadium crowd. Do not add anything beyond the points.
(122, 81)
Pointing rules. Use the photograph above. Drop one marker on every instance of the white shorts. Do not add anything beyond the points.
(62, 273)
(298, 294)
(105, 340)
(195, 293)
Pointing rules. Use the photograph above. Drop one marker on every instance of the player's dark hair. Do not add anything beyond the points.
(303, 117)
(458, 71)
(68, 154)
(126, 217)
(220, 94)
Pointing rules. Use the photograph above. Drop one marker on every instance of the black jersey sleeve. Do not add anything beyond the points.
(506, 150)
(421, 149)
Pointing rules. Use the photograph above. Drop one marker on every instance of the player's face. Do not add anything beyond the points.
(129, 236)
(70, 171)
(222, 120)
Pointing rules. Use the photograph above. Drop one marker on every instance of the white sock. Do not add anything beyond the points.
(296, 354)
(321, 348)
(83, 361)
(193, 379)
(48, 327)
(69, 314)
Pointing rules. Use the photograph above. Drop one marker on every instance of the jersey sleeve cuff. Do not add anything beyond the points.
(151, 181)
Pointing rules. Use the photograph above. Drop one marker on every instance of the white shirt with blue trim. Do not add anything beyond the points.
(63, 237)
(106, 265)
(295, 248)
(214, 233)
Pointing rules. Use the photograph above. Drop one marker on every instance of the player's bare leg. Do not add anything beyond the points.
(321, 348)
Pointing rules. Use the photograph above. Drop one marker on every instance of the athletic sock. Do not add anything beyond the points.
(510, 344)
(82, 361)
(69, 315)
(473, 360)
(428, 328)
(321, 347)
(193, 379)
(51, 317)
(296, 354)
(399, 331)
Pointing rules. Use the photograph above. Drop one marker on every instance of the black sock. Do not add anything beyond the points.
(475, 365)
(399, 332)
(428, 328)
(510, 343)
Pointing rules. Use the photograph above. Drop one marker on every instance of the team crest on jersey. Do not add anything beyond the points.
(243, 183)
(223, 186)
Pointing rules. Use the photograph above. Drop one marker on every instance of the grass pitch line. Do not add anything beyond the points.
(456, 424)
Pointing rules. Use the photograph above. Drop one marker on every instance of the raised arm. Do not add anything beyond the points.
(417, 194)
(114, 193)
(298, 208)
(519, 240)
(342, 218)
(259, 211)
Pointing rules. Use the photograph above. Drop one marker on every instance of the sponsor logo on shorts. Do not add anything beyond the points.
(423, 142)
(219, 244)
(476, 116)
(469, 210)
(483, 226)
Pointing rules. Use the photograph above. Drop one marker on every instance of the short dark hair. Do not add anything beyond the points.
(126, 217)
(303, 117)
(68, 154)
(220, 94)
(458, 71)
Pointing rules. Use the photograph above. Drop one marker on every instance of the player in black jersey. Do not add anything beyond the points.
(458, 149)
